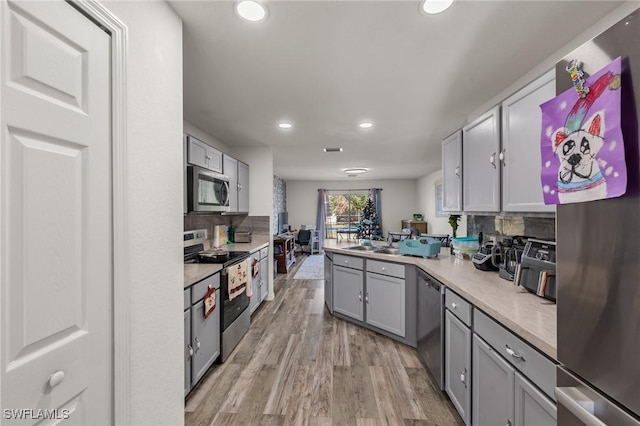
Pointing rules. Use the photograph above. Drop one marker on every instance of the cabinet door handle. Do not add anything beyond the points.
(360, 296)
(501, 157)
(513, 353)
(463, 377)
(190, 350)
(508, 423)
(454, 305)
(457, 171)
(492, 160)
(208, 157)
(366, 298)
(197, 344)
(56, 378)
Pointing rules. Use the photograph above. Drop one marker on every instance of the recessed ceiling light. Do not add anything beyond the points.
(332, 149)
(435, 6)
(251, 10)
(285, 125)
(355, 171)
(365, 125)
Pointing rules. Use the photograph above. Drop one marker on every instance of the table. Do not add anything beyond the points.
(347, 231)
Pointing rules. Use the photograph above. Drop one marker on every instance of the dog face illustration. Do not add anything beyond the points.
(579, 170)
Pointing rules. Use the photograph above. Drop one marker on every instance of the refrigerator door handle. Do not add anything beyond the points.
(576, 402)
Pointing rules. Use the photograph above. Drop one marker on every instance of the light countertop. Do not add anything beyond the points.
(195, 272)
(530, 317)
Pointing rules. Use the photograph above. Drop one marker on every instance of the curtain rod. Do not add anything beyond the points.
(365, 189)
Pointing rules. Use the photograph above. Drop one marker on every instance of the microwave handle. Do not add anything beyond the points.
(225, 202)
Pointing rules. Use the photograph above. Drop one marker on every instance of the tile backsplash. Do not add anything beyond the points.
(540, 227)
(257, 225)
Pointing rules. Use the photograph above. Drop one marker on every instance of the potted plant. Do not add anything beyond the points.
(453, 222)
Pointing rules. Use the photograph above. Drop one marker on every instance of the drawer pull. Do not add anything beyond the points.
(513, 353)
(346, 261)
(454, 305)
(383, 268)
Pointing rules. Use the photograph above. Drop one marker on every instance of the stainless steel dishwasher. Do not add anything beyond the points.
(429, 327)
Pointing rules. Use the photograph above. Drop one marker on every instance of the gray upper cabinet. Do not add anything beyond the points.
(493, 381)
(520, 155)
(238, 173)
(452, 173)
(243, 187)
(458, 365)
(480, 150)
(348, 292)
(385, 303)
(203, 155)
(230, 168)
(532, 407)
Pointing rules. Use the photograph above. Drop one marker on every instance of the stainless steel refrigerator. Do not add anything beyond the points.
(598, 265)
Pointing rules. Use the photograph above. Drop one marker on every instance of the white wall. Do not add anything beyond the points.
(426, 198)
(154, 114)
(398, 200)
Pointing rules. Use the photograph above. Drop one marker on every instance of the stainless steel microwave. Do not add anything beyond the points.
(207, 191)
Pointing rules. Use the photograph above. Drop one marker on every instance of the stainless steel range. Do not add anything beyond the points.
(235, 315)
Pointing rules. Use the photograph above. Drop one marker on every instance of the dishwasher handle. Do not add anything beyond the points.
(430, 282)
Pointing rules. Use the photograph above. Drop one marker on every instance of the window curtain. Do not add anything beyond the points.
(376, 196)
(322, 215)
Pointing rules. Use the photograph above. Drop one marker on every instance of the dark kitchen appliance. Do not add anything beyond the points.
(430, 318)
(235, 315)
(512, 250)
(598, 263)
(207, 191)
(537, 270)
(488, 258)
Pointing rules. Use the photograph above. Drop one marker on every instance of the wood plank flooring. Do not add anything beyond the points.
(298, 365)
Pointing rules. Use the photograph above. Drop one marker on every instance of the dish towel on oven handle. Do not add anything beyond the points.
(238, 278)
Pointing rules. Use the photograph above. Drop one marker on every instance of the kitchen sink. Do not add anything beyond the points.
(361, 248)
(387, 250)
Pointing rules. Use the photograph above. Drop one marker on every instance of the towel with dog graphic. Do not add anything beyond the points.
(582, 150)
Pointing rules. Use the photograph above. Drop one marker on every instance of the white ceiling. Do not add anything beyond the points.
(327, 65)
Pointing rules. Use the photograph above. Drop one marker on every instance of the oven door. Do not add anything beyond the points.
(231, 309)
(207, 191)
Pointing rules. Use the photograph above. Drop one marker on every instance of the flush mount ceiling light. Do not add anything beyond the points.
(355, 171)
(433, 7)
(285, 125)
(365, 125)
(332, 149)
(251, 10)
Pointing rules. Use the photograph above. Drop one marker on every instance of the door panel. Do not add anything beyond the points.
(57, 255)
(347, 292)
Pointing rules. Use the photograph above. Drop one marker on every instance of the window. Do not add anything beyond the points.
(344, 213)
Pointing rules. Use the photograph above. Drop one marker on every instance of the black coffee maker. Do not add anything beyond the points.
(512, 249)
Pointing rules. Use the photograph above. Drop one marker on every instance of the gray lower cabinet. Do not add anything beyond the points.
(188, 351)
(256, 298)
(206, 338)
(458, 365)
(493, 384)
(264, 277)
(385, 303)
(328, 282)
(532, 407)
(347, 292)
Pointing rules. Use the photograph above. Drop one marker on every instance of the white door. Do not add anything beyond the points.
(56, 212)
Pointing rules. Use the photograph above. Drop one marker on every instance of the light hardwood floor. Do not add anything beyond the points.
(298, 365)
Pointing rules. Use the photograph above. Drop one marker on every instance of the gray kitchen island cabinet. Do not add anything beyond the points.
(348, 292)
(328, 280)
(493, 384)
(188, 351)
(457, 363)
(385, 297)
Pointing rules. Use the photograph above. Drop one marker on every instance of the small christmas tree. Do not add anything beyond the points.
(370, 224)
